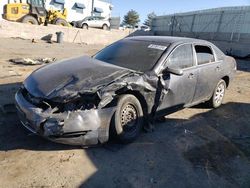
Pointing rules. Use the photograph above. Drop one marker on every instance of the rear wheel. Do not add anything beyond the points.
(127, 121)
(61, 22)
(85, 26)
(30, 20)
(105, 27)
(218, 95)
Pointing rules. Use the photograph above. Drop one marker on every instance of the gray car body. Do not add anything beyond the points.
(82, 77)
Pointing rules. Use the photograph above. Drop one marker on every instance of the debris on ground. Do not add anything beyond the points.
(29, 61)
(33, 41)
(20, 38)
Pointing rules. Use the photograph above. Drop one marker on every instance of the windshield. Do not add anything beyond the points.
(133, 54)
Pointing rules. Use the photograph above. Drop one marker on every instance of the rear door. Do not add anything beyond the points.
(99, 22)
(181, 89)
(208, 72)
(91, 22)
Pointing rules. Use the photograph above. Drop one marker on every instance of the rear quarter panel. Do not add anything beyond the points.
(229, 67)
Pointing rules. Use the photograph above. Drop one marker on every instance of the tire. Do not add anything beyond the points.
(85, 26)
(61, 22)
(73, 24)
(127, 120)
(30, 20)
(218, 95)
(105, 27)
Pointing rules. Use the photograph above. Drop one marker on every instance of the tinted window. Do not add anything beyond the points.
(204, 54)
(133, 54)
(181, 57)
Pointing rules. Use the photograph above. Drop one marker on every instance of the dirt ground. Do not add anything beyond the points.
(195, 147)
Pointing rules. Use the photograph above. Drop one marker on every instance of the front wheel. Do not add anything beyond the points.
(30, 20)
(61, 22)
(218, 95)
(85, 26)
(127, 121)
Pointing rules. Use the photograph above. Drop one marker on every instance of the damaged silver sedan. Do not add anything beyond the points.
(123, 88)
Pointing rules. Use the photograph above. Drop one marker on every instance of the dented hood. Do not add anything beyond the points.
(69, 77)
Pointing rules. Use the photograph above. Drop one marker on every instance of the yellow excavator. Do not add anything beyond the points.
(34, 12)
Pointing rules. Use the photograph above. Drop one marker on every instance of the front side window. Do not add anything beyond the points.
(204, 54)
(181, 57)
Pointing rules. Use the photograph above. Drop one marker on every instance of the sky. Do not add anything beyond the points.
(163, 7)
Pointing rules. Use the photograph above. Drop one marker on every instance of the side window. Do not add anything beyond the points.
(204, 54)
(182, 57)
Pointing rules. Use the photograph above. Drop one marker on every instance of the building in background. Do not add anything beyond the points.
(79, 9)
(2, 3)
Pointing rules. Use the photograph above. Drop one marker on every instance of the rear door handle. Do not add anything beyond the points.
(191, 76)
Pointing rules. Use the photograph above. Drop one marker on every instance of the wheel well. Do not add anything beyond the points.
(141, 99)
(85, 24)
(226, 79)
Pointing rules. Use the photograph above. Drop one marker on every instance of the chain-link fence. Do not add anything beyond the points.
(231, 24)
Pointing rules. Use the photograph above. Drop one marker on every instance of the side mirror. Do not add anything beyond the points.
(174, 71)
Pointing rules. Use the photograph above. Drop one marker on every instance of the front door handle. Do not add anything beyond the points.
(191, 76)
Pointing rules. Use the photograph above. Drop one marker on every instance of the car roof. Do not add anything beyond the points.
(166, 39)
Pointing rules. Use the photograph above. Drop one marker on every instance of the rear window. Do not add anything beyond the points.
(133, 54)
(204, 54)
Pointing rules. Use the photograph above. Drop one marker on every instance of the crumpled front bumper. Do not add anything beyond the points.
(80, 127)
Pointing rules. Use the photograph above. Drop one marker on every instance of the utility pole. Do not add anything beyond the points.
(92, 8)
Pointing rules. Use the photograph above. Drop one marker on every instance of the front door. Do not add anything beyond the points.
(180, 89)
